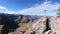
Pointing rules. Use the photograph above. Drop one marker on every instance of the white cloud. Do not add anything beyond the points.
(5, 10)
(41, 7)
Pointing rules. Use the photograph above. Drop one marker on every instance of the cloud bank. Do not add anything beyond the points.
(36, 9)
(41, 7)
(5, 10)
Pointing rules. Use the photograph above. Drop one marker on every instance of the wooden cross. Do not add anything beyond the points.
(45, 8)
(45, 12)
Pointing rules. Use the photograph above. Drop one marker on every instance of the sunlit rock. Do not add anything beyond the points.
(55, 23)
(39, 25)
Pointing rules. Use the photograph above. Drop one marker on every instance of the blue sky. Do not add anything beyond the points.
(29, 7)
(19, 4)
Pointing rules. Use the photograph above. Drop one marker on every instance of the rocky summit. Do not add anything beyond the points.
(26, 24)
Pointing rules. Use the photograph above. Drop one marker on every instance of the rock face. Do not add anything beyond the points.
(39, 26)
(55, 23)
